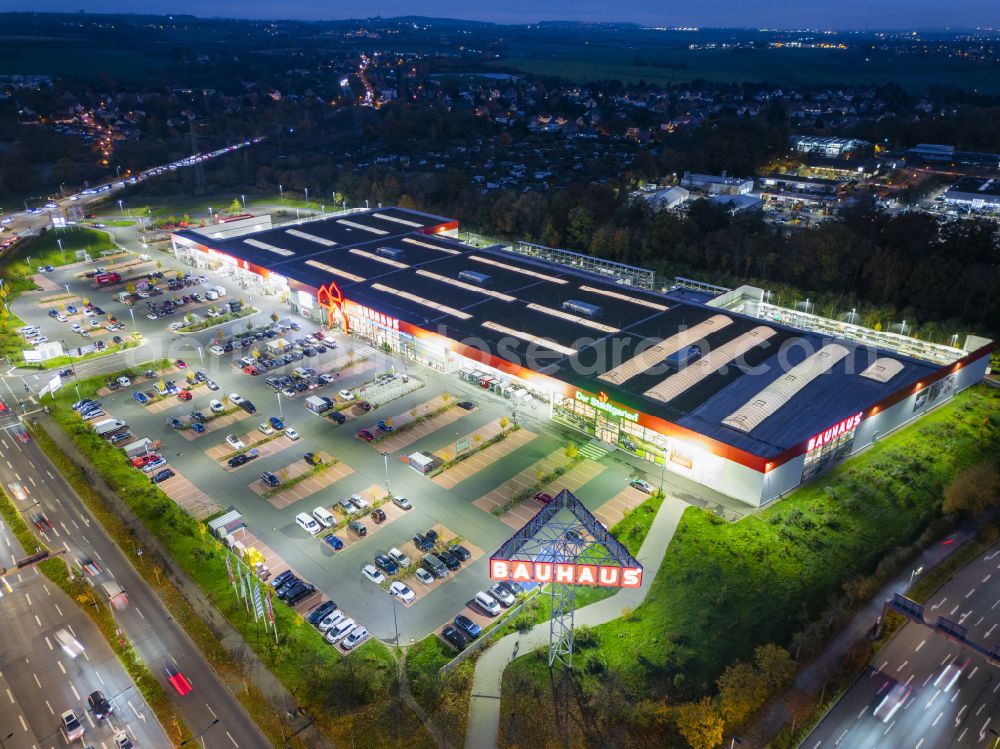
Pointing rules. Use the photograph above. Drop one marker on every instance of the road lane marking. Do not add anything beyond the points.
(980, 621)
(49, 707)
(907, 682)
(36, 679)
(931, 676)
(58, 610)
(38, 621)
(973, 672)
(32, 480)
(28, 596)
(995, 604)
(987, 577)
(61, 666)
(91, 720)
(138, 612)
(962, 734)
(955, 696)
(50, 474)
(24, 726)
(922, 643)
(863, 711)
(75, 693)
(206, 705)
(935, 722)
(232, 739)
(889, 728)
(919, 744)
(954, 610)
(958, 718)
(901, 666)
(971, 591)
(48, 642)
(46, 589)
(98, 673)
(982, 731)
(10, 696)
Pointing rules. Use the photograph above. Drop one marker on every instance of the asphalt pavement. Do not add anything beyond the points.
(949, 696)
(159, 640)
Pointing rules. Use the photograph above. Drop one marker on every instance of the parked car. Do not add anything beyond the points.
(402, 503)
(71, 727)
(487, 603)
(163, 475)
(643, 486)
(373, 574)
(454, 637)
(185, 395)
(333, 542)
(463, 554)
(276, 423)
(377, 516)
(339, 631)
(320, 611)
(467, 405)
(503, 594)
(422, 542)
(385, 564)
(450, 560)
(234, 442)
(291, 434)
(216, 406)
(356, 636)
(271, 480)
(424, 576)
(265, 429)
(398, 557)
(365, 435)
(358, 527)
(466, 625)
(543, 497)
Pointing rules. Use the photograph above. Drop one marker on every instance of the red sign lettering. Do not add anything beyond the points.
(566, 573)
(828, 435)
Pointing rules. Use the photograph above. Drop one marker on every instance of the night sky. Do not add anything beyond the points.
(830, 14)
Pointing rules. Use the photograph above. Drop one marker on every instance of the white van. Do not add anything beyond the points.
(220, 290)
(211, 295)
(325, 517)
(69, 644)
(124, 381)
(306, 522)
(486, 602)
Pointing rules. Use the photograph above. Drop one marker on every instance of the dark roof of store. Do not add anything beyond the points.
(525, 293)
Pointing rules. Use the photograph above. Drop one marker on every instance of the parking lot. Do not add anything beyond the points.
(419, 404)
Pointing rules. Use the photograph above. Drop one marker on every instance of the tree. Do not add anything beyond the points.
(973, 489)
(700, 724)
(274, 317)
(571, 450)
(504, 423)
(741, 691)
(130, 287)
(235, 206)
(775, 665)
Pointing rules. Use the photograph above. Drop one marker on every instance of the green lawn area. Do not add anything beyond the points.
(346, 695)
(724, 589)
(44, 250)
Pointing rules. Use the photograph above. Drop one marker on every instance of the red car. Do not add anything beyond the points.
(177, 680)
(140, 460)
(184, 395)
(543, 497)
(365, 406)
(251, 370)
(365, 435)
(41, 522)
(181, 364)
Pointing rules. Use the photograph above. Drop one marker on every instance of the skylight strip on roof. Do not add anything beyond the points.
(420, 300)
(402, 221)
(379, 258)
(653, 356)
(430, 246)
(515, 269)
(574, 318)
(529, 338)
(334, 271)
(672, 386)
(883, 369)
(778, 393)
(269, 247)
(311, 237)
(466, 286)
(355, 225)
(626, 298)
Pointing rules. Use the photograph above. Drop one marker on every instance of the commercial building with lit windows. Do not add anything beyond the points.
(715, 385)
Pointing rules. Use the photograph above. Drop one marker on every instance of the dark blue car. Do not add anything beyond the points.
(468, 626)
(316, 615)
(277, 423)
(198, 428)
(140, 398)
(335, 543)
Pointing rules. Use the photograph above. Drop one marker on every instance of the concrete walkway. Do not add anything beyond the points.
(484, 705)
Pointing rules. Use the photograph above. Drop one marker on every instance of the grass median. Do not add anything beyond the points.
(354, 695)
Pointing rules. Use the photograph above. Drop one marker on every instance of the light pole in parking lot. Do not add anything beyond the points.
(195, 738)
(131, 311)
(59, 242)
(307, 196)
(281, 193)
(6, 738)
(385, 457)
(395, 623)
(280, 415)
(120, 206)
(244, 199)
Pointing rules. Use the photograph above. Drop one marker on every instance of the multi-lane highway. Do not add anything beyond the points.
(36, 486)
(947, 696)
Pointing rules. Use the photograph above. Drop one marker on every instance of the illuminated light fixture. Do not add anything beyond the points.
(269, 247)
(354, 225)
(420, 300)
(466, 286)
(379, 258)
(430, 246)
(573, 318)
(334, 271)
(748, 416)
(311, 237)
(529, 338)
(515, 269)
(625, 298)
(653, 356)
(712, 362)
(402, 221)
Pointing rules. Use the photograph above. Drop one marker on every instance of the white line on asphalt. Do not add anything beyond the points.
(922, 643)
(980, 708)
(979, 621)
(46, 588)
(888, 728)
(32, 480)
(211, 710)
(75, 693)
(988, 558)
(863, 711)
(67, 548)
(901, 666)
(962, 734)
(958, 718)
(138, 612)
(49, 707)
(920, 743)
(17, 475)
(58, 610)
(85, 655)
(70, 628)
(817, 744)
(835, 743)
(955, 696)
(75, 524)
(24, 726)
(995, 604)
(232, 739)
(987, 577)
(881, 668)
(954, 610)
(48, 642)
(50, 474)
(935, 722)
(929, 677)
(946, 659)
(973, 672)
(175, 661)
(98, 673)
(36, 679)
(971, 591)
(38, 621)
(28, 596)
(908, 680)
(996, 687)
(61, 666)
(931, 700)
(10, 696)
(91, 720)
(982, 731)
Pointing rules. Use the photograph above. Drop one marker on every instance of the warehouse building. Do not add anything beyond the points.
(728, 391)
(974, 193)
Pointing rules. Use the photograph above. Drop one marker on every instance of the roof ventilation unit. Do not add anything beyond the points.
(581, 308)
(393, 253)
(480, 279)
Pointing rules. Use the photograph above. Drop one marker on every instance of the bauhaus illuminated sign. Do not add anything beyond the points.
(601, 403)
(566, 573)
(828, 435)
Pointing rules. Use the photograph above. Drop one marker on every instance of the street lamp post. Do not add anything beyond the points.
(395, 623)
(195, 738)
(59, 242)
(307, 197)
(121, 207)
(67, 288)
(385, 457)
(916, 572)
(6, 738)
(281, 193)
(132, 313)
(244, 199)
(280, 414)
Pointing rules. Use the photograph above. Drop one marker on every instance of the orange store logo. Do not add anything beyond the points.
(602, 397)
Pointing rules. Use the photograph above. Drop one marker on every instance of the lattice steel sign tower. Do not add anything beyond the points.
(566, 546)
